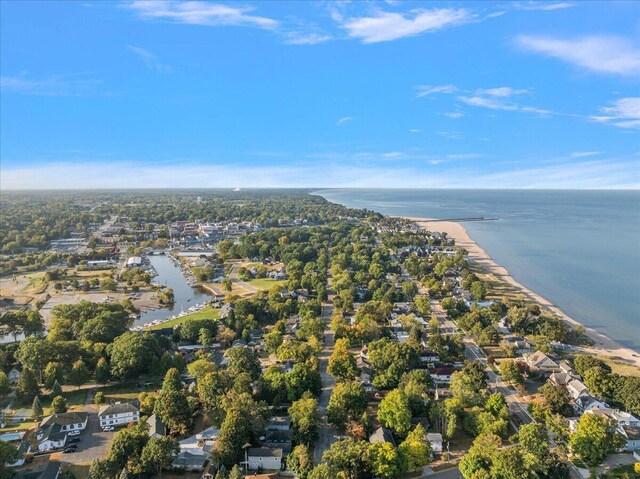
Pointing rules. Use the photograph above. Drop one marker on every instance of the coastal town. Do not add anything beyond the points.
(273, 334)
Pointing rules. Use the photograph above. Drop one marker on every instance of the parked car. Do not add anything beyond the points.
(69, 449)
(73, 440)
(74, 433)
(108, 428)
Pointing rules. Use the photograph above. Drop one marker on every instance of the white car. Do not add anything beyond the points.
(108, 428)
(74, 433)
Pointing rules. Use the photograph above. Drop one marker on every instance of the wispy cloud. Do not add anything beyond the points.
(454, 114)
(609, 173)
(305, 38)
(501, 98)
(583, 154)
(384, 26)
(543, 5)
(623, 113)
(150, 60)
(415, 130)
(54, 85)
(602, 54)
(343, 120)
(196, 12)
(464, 156)
(426, 90)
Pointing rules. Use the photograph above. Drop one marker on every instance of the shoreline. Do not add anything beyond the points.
(602, 345)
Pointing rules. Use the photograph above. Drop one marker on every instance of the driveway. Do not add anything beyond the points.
(93, 444)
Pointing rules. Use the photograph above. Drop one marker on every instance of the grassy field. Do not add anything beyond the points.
(125, 392)
(620, 472)
(206, 313)
(620, 367)
(265, 283)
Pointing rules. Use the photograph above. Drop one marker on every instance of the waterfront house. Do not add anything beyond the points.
(576, 388)
(264, 458)
(540, 362)
(118, 414)
(585, 403)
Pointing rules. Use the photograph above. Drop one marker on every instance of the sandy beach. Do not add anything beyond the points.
(479, 257)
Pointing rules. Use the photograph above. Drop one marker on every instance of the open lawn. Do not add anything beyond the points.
(75, 398)
(265, 283)
(620, 367)
(125, 392)
(620, 472)
(206, 313)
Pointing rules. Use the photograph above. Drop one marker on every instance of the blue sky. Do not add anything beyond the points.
(364, 94)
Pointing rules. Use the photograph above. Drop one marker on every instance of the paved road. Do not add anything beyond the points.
(326, 433)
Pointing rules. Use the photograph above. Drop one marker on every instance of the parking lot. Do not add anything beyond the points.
(94, 443)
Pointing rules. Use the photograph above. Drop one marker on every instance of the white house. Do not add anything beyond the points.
(68, 421)
(51, 437)
(118, 413)
(435, 438)
(632, 435)
(576, 388)
(134, 262)
(264, 458)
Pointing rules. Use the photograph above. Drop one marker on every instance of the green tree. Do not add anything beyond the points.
(102, 372)
(242, 360)
(8, 455)
(173, 409)
(273, 340)
(511, 372)
(469, 384)
(36, 408)
(52, 373)
(98, 398)
(556, 398)
(56, 390)
(302, 378)
(342, 364)
(300, 461)
(304, 419)
(5, 384)
(595, 438)
(415, 450)
(59, 405)
(509, 464)
(349, 458)
(172, 381)
(133, 354)
(79, 373)
(236, 473)
(394, 412)
(385, 460)
(200, 368)
(158, 454)
(347, 400)
(27, 388)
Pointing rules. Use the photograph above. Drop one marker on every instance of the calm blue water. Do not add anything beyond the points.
(185, 296)
(578, 249)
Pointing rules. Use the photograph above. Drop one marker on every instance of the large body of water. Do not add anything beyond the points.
(578, 249)
(185, 296)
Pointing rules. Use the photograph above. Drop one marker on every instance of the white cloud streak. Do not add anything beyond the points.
(611, 173)
(544, 5)
(386, 26)
(55, 85)
(601, 54)
(344, 120)
(196, 12)
(150, 60)
(426, 90)
(623, 113)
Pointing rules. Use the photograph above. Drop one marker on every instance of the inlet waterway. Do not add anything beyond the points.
(170, 275)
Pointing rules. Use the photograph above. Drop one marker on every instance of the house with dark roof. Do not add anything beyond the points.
(188, 461)
(118, 414)
(632, 436)
(156, 427)
(50, 471)
(382, 434)
(68, 421)
(51, 437)
(278, 439)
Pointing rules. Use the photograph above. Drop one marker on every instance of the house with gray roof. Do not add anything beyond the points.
(118, 414)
